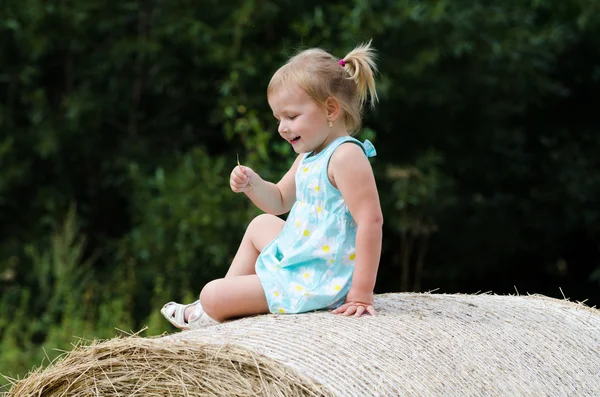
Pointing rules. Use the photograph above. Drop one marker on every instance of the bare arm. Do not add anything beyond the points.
(271, 198)
(353, 176)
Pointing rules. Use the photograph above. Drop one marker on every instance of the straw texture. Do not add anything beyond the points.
(434, 345)
(136, 366)
(417, 345)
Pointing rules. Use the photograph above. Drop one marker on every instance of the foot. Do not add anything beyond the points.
(188, 314)
(186, 317)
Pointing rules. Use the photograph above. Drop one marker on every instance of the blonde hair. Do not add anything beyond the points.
(323, 76)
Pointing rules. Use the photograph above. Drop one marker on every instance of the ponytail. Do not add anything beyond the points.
(360, 63)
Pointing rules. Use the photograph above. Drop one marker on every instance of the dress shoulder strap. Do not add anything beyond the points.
(366, 146)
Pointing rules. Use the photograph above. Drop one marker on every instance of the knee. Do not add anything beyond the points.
(264, 224)
(209, 299)
(261, 220)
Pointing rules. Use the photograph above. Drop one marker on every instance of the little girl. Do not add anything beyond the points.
(326, 254)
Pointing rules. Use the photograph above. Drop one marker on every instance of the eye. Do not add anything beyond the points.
(293, 117)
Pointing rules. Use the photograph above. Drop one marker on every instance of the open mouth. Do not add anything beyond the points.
(294, 140)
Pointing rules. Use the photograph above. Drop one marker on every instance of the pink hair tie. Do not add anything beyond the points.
(342, 63)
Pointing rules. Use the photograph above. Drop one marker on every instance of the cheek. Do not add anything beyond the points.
(314, 119)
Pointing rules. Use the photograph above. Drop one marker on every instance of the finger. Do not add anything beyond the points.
(343, 308)
(359, 311)
(239, 177)
(242, 178)
(238, 183)
(244, 171)
(239, 172)
(242, 189)
(238, 188)
(350, 311)
(340, 309)
(371, 310)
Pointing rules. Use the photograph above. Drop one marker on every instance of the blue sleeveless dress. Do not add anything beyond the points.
(309, 265)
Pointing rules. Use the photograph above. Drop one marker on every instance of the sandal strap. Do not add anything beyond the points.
(175, 313)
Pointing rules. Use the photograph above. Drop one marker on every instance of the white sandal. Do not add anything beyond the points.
(175, 314)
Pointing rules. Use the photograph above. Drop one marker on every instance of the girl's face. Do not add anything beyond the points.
(302, 121)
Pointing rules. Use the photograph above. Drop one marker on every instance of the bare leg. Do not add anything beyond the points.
(260, 232)
(234, 296)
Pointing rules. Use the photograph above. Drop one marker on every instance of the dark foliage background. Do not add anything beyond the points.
(120, 123)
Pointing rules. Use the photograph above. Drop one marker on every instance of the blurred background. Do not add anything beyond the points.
(120, 123)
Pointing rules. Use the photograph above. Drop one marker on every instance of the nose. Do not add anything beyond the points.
(282, 128)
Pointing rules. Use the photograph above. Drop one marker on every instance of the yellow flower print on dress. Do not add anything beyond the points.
(297, 224)
(326, 248)
(318, 210)
(314, 187)
(336, 285)
(297, 289)
(275, 295)
(349, 257)
(306, 229)
(307, 275)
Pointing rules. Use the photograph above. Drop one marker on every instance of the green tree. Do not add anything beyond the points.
(136, 111)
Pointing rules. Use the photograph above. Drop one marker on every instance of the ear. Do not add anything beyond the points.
(333, 108)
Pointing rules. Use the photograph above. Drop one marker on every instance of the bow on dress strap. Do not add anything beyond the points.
(369, 148)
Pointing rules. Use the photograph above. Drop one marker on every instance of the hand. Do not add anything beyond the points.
(357, 303)
(240, 179)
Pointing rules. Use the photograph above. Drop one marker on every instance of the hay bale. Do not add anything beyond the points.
(136, 366)
(419, 344)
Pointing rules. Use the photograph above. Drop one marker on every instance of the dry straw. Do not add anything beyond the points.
(146, 367)
(417, 345)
